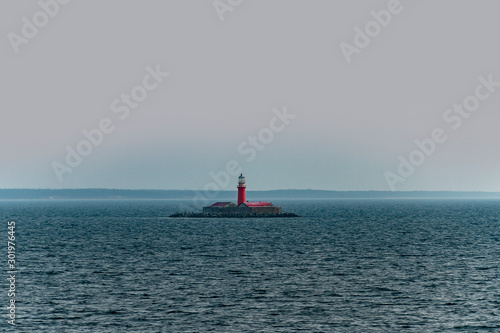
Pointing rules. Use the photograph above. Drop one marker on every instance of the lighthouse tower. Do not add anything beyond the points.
(241, 190)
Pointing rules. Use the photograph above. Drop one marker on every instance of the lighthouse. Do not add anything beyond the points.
(241, 190)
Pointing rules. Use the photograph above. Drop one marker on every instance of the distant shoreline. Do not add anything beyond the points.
(113, 194)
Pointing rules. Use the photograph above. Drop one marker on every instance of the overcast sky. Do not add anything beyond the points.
(355, 113)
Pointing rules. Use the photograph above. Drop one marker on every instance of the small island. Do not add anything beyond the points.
(242, 209)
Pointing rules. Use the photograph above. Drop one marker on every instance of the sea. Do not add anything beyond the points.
(342, 266)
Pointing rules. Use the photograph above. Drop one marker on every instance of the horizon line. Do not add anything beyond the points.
(191, 190)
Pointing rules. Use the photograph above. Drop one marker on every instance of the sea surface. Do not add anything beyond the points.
(343, 266)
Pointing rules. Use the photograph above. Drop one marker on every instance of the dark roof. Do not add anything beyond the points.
(223, 204)
(258, 204)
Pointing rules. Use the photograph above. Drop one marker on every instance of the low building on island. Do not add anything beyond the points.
(259, 207)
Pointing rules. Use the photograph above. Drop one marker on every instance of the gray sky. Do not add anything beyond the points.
(353, 120)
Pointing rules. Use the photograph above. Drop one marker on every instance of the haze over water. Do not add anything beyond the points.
(344, 266)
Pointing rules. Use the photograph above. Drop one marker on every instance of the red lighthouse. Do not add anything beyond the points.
(241, 190)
